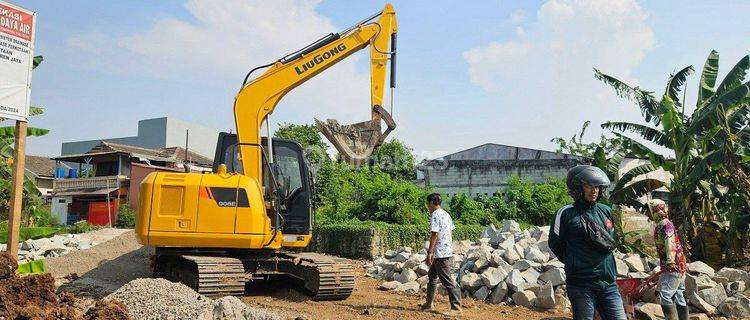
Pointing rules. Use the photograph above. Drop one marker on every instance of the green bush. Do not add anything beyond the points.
(526, 202)
(40, 216)
(356, 239)
(469, 211)
(81, 227)
(345, 192)
(125, 216)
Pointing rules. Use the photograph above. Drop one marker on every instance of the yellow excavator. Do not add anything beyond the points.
(252, 215)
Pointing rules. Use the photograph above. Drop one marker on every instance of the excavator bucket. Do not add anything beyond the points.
(356, 142)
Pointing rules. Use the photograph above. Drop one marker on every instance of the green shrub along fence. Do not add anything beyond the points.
(367, 240)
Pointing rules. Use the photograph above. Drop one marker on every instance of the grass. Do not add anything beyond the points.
(33, 233)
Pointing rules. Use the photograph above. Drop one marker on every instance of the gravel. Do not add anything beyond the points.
(157, 299)
(152, 299)
(102, 269)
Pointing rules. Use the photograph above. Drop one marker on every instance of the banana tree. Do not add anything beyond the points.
(666, 127)
(31, 194)
(711, 146)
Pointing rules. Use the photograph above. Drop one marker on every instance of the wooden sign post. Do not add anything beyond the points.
(16, 191)
(17, 31)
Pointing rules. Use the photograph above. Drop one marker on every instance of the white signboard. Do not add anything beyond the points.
(16, 58)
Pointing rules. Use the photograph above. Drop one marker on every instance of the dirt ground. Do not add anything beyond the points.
(367, 302)
(96, 272)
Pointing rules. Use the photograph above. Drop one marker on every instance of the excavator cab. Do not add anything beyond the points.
(292, 173)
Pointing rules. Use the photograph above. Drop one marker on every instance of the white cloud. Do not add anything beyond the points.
(223, 40)
(546, 71)
(516, 17)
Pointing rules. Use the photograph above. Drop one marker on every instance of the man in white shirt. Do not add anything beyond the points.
(440, 254)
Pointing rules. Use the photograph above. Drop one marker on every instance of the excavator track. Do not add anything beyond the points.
(324, 277)
(209, 276)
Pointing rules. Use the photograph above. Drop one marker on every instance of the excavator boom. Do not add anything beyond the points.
(258, 98)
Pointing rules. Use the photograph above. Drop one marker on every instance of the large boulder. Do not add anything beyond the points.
(407, 275)
(401, 257)
(423, 269)
(546, 297)
(413, 262)
(698, 267)
(530, 275)
(511, 256)
(490, 232)
(493, 276)
(552, 264)
(524, 298)
(635, 263)
(477, 252)
(736, 307)
(735, 287)
(411, 287)
(650, 311)
(511, 226)
(698, 282)
(506, 243)
(499, 293)
(470, 281)
(714, 296)
(701, 304)
(540, 233)
(502, 264)
(524, 264)
(461, 247)
(515, 281)
(732, 274)
(390, 285)
(533, 253)
(555, 277)
(481, 294)
(622, 268)
(496, 258)
(481, 263)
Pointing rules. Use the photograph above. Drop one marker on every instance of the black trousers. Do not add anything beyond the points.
(441, 270)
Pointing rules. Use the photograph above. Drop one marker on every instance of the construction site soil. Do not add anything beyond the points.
(33, 297)
(99, 271)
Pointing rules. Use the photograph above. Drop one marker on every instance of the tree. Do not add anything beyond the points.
(576, 146)
(31, 201)
(309, 137)
(709, 145)
(395, 158)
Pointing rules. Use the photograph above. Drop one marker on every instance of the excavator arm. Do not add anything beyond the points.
(259, 97)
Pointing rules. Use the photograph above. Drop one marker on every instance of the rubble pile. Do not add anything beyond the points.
(51, 247)
(516, 267)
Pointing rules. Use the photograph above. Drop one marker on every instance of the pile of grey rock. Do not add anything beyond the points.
(516, 267)
(52, 247)
(713, 293)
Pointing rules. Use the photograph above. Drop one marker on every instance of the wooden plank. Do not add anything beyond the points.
(16, 192)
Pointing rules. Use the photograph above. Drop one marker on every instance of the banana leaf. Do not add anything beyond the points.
(32, 267)
(708, 79)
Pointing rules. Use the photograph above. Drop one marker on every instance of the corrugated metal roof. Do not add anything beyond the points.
(169, 154)
(494, 151)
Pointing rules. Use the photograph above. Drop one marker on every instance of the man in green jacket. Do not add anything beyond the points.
(590, 273)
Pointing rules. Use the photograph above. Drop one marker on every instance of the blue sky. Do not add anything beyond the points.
(510, 72)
